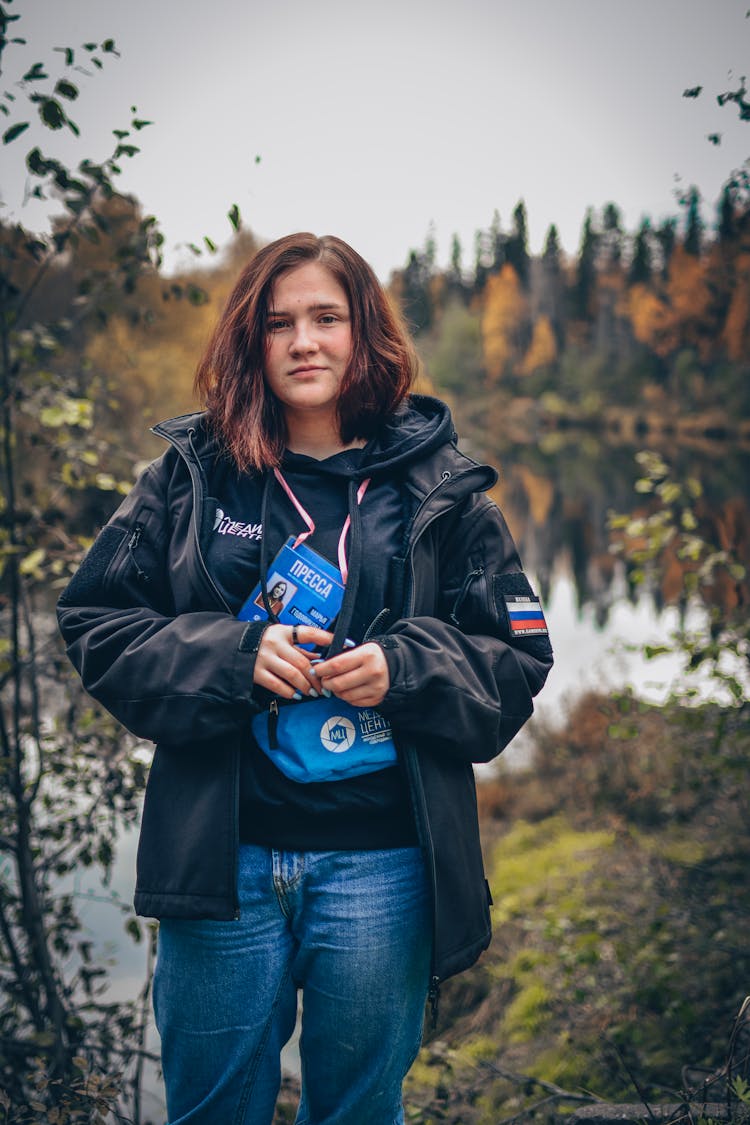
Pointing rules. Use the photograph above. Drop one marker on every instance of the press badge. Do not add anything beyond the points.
(303, 588)
(525, 616)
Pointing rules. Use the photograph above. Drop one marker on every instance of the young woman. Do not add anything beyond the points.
(310, 816)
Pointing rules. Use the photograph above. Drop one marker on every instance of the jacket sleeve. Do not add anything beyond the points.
(166, 676)
(462, 679)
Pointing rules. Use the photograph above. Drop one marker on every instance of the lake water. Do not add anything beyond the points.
(556, 495)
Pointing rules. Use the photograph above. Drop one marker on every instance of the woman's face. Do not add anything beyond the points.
(309, 341)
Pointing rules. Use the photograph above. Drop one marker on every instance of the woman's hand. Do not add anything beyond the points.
(283, 668)
(358, 676)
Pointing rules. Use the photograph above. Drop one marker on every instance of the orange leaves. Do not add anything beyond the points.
(682, 310)
(542, 351)
(736, 333)
(650, 317)
(503, 321)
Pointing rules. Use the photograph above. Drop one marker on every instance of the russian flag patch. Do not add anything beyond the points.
(525, 616)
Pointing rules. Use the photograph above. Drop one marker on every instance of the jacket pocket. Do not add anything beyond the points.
(88, 583)
(139, 556)
(119, 554)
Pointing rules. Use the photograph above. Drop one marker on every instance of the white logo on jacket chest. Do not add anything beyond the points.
(225, 525)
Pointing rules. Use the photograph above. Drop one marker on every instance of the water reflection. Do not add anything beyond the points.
(557, 494)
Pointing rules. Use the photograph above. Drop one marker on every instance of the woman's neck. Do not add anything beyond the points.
(318, 439)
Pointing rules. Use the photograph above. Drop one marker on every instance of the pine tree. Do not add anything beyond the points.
(551, 252)
(497, 243)
(693, 223)
(641, 262)
(482, 260)
(726, 224)
(517, 246)
(611, 241)
(551, 295)
(586, 270)
(666, 236)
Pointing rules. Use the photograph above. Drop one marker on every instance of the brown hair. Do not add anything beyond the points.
(244, 413)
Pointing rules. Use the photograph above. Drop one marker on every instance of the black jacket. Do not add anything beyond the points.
(155, 643)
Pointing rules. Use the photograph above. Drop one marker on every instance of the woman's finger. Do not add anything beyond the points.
(279, 662)
(362, 670)
(309, 635)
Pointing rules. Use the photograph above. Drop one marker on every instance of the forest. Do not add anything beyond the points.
(612, 388)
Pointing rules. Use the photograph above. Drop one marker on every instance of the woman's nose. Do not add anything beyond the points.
(303, 340)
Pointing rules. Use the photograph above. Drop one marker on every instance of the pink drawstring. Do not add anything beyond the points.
(310, 523)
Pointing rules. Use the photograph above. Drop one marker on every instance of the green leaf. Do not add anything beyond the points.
(210, 245)
(132, 927)
(35, 73)
(14, 131)
(139, 124)
(52, 113)
(68, 52)
(197, 296)
(233, 214)
(109, 47)
(66, 90)
(30, 566)
(36, 163)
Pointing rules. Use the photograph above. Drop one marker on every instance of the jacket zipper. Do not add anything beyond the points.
(463, 592)
(133, 541)
(273, 723)
(376, 624)
(198, 497)
(408, 599)
(415, 776)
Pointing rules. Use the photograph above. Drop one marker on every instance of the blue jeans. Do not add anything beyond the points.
(352, 930)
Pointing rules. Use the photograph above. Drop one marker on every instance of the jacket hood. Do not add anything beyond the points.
(419, 426)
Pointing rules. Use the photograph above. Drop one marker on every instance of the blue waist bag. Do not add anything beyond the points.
(324, 739)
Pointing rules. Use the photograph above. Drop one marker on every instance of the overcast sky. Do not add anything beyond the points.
(373, 120)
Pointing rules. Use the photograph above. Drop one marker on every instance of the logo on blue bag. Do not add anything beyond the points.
(337, 734)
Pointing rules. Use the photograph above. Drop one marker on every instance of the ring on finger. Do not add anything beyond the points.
(295, 635)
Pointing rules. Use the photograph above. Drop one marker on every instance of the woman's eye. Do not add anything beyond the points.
(328, 318)
(276, 325)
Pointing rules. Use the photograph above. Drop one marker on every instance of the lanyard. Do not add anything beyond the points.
(310, 524)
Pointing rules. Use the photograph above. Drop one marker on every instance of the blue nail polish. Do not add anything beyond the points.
(297, 696)
(326, 692)
(312, 694)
